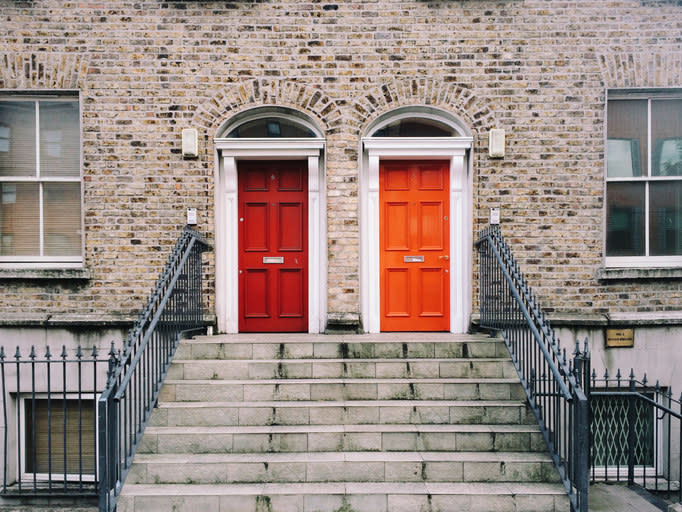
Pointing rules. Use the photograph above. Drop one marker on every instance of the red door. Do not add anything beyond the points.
(415, 239)
(273, 246)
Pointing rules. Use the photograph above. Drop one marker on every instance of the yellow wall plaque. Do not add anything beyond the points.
(620, 337)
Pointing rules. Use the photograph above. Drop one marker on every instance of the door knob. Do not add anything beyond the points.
(446, 258)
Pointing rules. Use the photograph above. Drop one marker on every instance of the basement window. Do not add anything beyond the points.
(59, 438)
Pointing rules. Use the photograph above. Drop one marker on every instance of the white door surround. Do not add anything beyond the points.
(228, 152)
(454, 149)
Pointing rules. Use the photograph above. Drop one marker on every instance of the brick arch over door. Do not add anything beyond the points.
(313, 102)
(478, 114)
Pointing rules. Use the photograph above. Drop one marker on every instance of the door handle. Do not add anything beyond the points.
(446, 257)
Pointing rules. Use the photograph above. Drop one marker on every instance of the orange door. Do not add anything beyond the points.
(414, 258)
(273, 246)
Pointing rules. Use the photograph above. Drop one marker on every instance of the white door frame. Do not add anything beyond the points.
(454, 149)
(228, 152)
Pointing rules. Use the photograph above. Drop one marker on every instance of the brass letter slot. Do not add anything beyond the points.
(273, 259)
(413, 259)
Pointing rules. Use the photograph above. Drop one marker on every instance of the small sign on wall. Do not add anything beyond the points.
(620, 337)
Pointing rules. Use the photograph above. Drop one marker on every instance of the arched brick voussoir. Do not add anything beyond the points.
(213, 114)
(658, 67)
(478, 113)
(44, 70)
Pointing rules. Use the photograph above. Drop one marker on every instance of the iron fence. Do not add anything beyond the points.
(551, 379)
(76, 421)
(635, 433)
(52, 402)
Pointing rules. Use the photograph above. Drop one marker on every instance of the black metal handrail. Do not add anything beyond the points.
(551, 381)
(133, 385)
(77, 420)
(636, 433)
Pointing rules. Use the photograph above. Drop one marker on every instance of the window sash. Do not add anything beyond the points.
(55, 164)
(648, 176)
(81, 453)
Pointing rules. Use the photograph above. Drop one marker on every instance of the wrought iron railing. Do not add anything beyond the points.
(635, 433)
(49, 408)
(551, 380)
(175, 307)
(76, 421)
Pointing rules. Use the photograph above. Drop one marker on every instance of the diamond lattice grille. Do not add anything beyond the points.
(610, 432)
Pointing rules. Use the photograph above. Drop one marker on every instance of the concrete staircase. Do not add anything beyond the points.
(376, 423)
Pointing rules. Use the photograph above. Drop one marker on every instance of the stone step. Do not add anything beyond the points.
(323, 438)
(341, 368)
(347, 496)
(341, 389)
(305, 412)
(370, 346)
(343, 466)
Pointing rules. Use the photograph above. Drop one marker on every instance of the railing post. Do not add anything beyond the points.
(581, 444)
(631, 429)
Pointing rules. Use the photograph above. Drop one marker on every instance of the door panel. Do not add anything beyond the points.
(256, 236)
(397, 301)
(415, 240)
(256, 293)
(291, 216)
(273, 246)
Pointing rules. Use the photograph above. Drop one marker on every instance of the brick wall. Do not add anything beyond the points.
(539, 69)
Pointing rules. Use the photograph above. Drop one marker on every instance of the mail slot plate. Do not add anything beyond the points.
(273, 259)
(413, 259)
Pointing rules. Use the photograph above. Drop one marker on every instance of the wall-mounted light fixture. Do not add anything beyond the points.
(496, 143)
(190, 145)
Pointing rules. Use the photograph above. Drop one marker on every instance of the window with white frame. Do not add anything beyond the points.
(644, 180)
(40, 180)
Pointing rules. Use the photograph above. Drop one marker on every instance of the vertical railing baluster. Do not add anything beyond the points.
(22, 412)
(79, 356)
(49, 419)
(34, 434)
(5, 466)
(631, 430)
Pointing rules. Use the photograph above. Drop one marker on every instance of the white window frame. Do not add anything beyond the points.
(645, 261)
(39, 261)
(21, 438)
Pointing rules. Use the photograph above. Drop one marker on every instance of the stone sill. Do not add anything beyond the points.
(624, 274)
(65, 320)
(45, 273)
(71, 320)
(597, 320)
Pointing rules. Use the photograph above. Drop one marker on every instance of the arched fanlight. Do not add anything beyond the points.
(270, 123)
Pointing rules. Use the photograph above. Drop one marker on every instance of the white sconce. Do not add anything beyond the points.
(190, 145)
(496, 143)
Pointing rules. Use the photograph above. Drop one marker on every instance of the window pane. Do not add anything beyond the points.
(50, 451)
(625, 219)
(665, 219)
(415, 128)
(18, 139)
(271, 127)
(666, 137)
(626, 152)
(59, 139)
(19, 220)
(62, 212)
